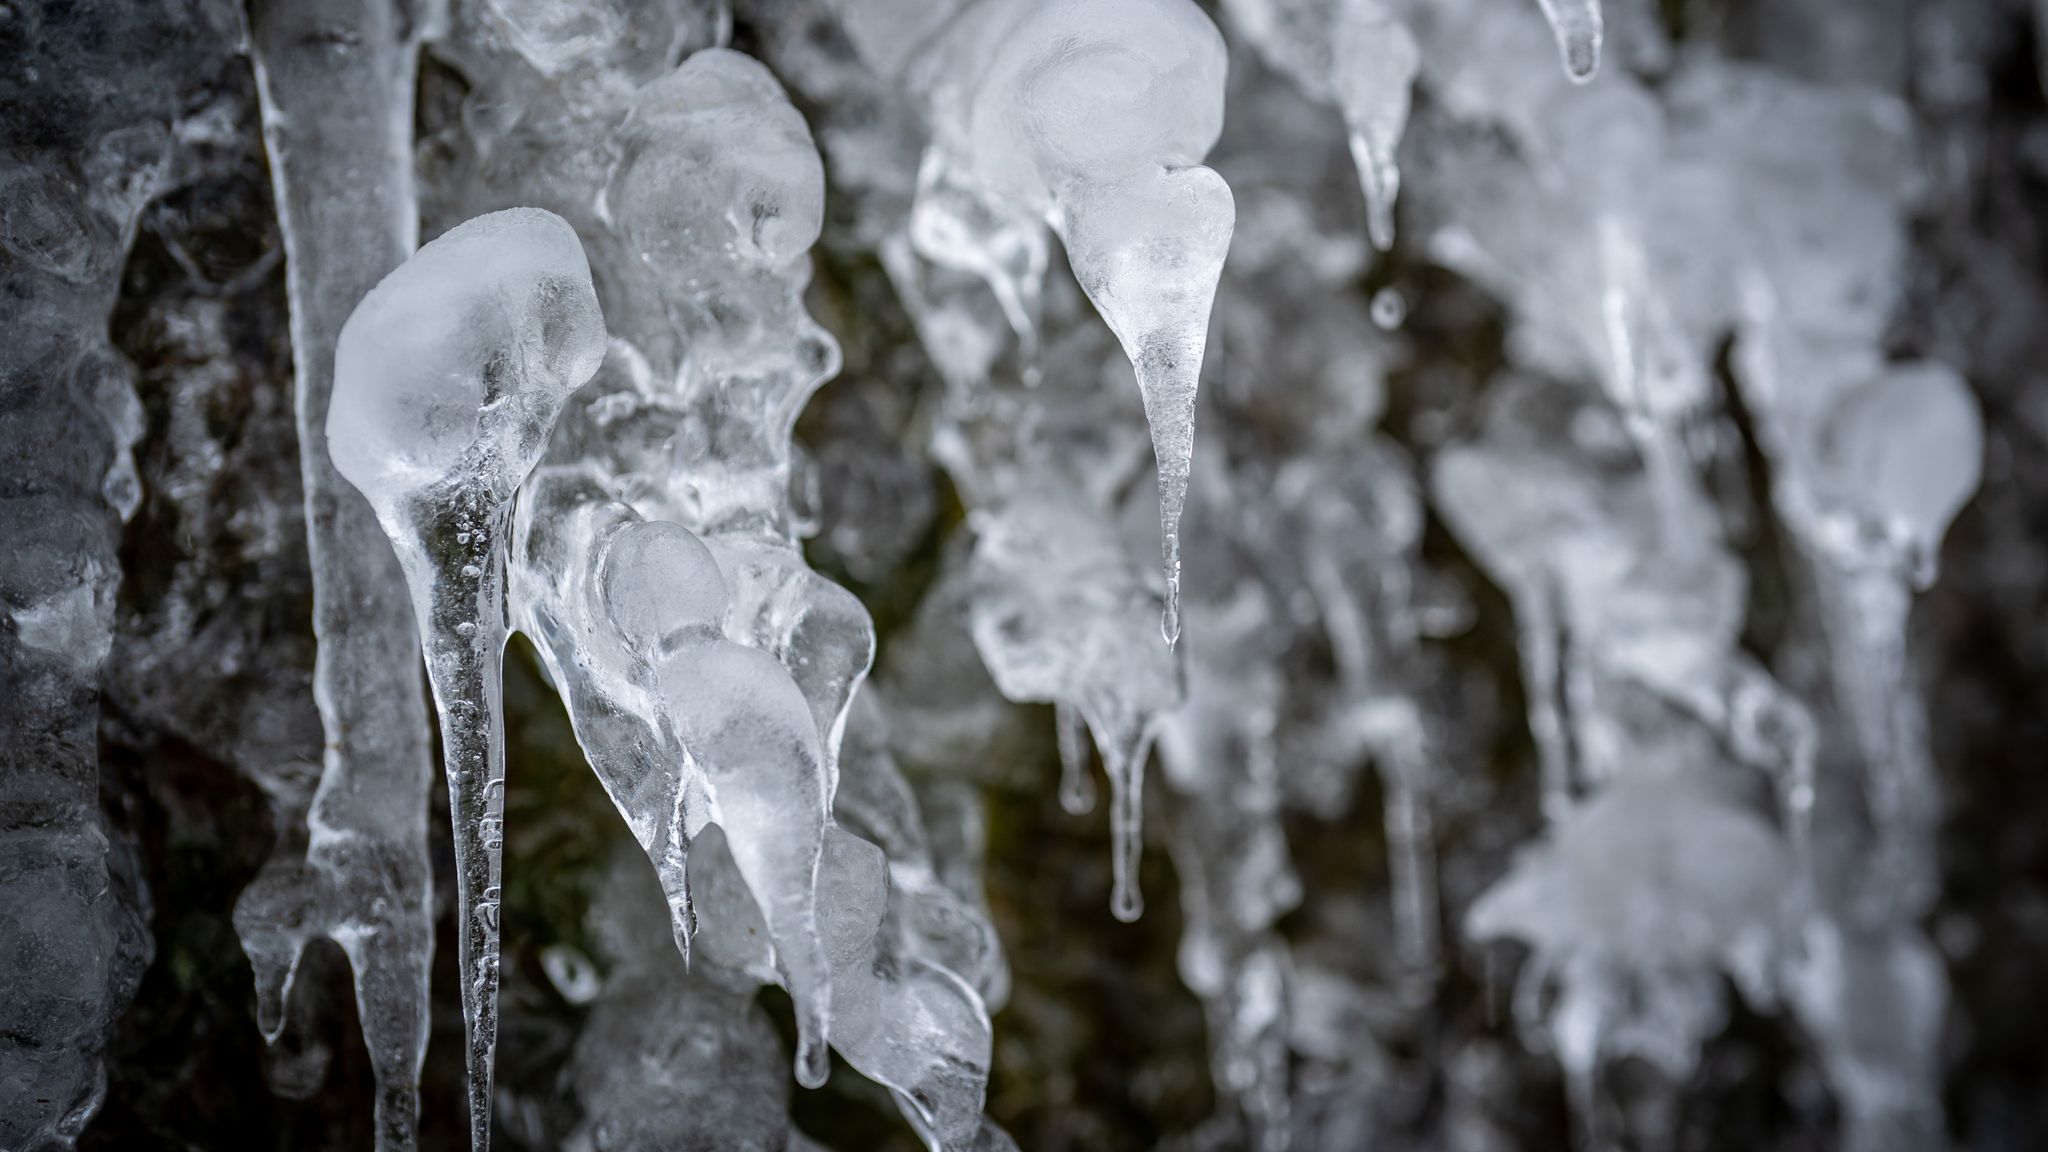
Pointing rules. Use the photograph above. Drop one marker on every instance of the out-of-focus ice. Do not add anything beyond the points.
(1091, 119)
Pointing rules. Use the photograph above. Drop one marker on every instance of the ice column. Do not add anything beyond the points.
(338, 126)
(448, 378)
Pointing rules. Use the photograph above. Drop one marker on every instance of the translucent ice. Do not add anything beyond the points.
(1096, 117)
(339, 136)
(1579, 31)
(1639, 899)
(448, 377)
(1357, 55)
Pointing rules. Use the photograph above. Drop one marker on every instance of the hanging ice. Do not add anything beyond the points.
(1095, 117)
(1357, 55)
(1642, 898)
(448, 377)
(365, 881)
(1579, 31)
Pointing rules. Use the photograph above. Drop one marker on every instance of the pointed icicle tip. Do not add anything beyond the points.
(1580, 29)
(813, 1062)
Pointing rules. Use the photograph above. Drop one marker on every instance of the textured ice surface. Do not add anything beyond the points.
(448, 377)
(78, 164)
(1554, 584)
(365, 877)
(1095, 119)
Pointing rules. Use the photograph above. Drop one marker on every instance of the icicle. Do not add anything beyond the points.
(1579, 30)
(750, 731)
(1077, 785)
(1374, 62)
(338, 126)
(448, 377)
(1125, 746)
(1149, 252)
(1106, 145)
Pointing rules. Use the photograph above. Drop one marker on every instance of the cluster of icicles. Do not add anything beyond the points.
(571, 415)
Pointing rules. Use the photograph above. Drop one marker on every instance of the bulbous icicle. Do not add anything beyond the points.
(1579, 29)
(1149, 250)
(448, 377)
(1374, 62)
(1097, 114)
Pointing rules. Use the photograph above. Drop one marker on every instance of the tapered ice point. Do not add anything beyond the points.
(1579, 29)
(1096, 114)
(1125, 746)
(751, 732)
(1077, 787)
(1149, 251)
(448, 378)
(1374, 62)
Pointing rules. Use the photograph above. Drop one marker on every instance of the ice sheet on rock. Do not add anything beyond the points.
(80, 159)
(448, 378)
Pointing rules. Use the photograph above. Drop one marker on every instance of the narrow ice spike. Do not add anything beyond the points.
(338, 129)
(1579, 29)
(448, 378)
(1373, 66)
(1125, 746)
(1077, 787)
(1149, 251)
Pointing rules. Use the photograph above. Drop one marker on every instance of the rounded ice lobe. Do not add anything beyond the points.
(1076, 90)
(1905, 452)
(661, 586)
(715, 166)
(456, 363)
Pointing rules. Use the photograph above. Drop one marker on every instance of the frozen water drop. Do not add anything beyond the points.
(1389, 308)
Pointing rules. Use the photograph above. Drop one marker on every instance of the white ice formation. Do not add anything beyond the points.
(1551, 571)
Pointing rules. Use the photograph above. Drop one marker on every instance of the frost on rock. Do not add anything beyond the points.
(448, 377)
(79, 162)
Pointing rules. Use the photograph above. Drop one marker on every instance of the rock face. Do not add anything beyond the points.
(94, 97)
(1600, 708)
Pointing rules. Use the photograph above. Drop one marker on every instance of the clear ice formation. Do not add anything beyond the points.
(1643, 899)
(365, 879)
(1358, 56)
(708, 671)
(1091, 119)
(619, 198)
(448, 377)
